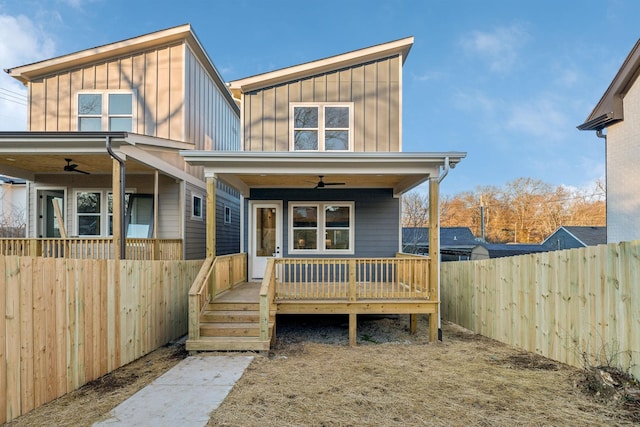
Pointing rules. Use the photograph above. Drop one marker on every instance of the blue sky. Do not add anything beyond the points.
(506, 81)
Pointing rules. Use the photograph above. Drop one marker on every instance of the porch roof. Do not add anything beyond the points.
(245, 170)
(27, 154)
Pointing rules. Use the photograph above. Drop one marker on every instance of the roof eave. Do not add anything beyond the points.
(609, 108)
(398, 47)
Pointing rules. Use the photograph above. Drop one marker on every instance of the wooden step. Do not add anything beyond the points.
(230, 316)
(227, 344)
(229, 329)
(237, 306)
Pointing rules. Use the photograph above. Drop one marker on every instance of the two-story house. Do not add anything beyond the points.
(101, 154)
(321, 173)
(618, 111)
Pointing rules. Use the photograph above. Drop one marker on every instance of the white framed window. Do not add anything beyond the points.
(89, 213)
(111, 110)
(227, 214)
(94, 211)
(321, 227)
(321, 126)
(196, 206)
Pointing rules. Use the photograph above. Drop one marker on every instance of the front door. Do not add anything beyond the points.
(48, 222)
(266, 236)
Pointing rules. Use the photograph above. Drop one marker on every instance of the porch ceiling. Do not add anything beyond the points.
(246, 170)
(28, 154)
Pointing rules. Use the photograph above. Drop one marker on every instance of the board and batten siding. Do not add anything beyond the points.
(374, 88)
(155, 76)
(377, 215)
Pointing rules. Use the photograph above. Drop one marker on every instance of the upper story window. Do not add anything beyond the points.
(321, 127)
(105, 111)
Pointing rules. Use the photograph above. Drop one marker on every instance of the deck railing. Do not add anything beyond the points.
(352, 278)
(216, 275)
(87, 248)
(267, 297)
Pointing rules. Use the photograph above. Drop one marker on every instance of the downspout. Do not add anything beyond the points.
(602, 135)
(445, 171)
(123, 248)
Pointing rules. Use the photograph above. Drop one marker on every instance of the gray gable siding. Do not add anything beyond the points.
(377, 216)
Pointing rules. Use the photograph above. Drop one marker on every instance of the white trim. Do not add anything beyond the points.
(196, 195)
(321, 228)
(279, 228)
(36, 207)
(321, 129)
(104, 94)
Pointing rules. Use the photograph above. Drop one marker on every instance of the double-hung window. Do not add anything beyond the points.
(321, 127)
(99, 111)
(321, 227)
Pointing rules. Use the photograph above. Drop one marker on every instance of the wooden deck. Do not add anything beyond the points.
(229, 313)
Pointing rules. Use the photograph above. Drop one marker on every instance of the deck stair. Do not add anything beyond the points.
(232, 322)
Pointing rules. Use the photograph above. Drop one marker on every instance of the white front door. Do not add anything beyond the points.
(266, 235)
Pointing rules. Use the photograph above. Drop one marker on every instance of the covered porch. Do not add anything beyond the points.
(321, 232)
(99, 195)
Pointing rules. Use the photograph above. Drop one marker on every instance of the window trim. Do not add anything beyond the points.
(321, 125)
(105, 116)
(322, 227)
(199, 196)
(227, 214)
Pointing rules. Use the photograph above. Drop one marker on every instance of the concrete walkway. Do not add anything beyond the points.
(183, 396)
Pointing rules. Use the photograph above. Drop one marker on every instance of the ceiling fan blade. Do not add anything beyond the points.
(335, 183)
(81, 171)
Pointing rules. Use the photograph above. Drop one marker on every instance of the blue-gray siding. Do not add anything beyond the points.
(227, 234)
(377, 216)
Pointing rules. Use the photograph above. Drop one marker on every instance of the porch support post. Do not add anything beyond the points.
(211, 216)
(117, 211)
(353, 326)
(434, 255)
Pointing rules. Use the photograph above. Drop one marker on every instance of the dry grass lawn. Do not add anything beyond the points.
(312, 377)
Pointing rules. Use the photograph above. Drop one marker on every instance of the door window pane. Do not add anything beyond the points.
(265, 232)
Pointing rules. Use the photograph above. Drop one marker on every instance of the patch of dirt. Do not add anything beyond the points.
(392, 378)
(95, 399)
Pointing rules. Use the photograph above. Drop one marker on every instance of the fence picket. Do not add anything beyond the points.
(562, 304)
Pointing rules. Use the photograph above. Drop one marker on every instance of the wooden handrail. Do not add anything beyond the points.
(198, 297)
(267, 296)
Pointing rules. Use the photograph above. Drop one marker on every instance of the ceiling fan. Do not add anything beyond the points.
(322, 184)
(73, 168)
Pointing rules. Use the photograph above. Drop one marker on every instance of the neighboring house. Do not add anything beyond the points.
(569, 237)
(13, 205)
(618, 111)
(110, 121)
(500, 250)
(321, 171)
(456, 243)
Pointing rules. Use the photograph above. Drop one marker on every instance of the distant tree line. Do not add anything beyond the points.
(524, 210)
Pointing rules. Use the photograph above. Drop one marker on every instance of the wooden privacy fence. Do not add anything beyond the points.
(65, 322)
(566, 305)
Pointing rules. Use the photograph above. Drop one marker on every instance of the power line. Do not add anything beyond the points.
(14, 93)
(16, 101)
